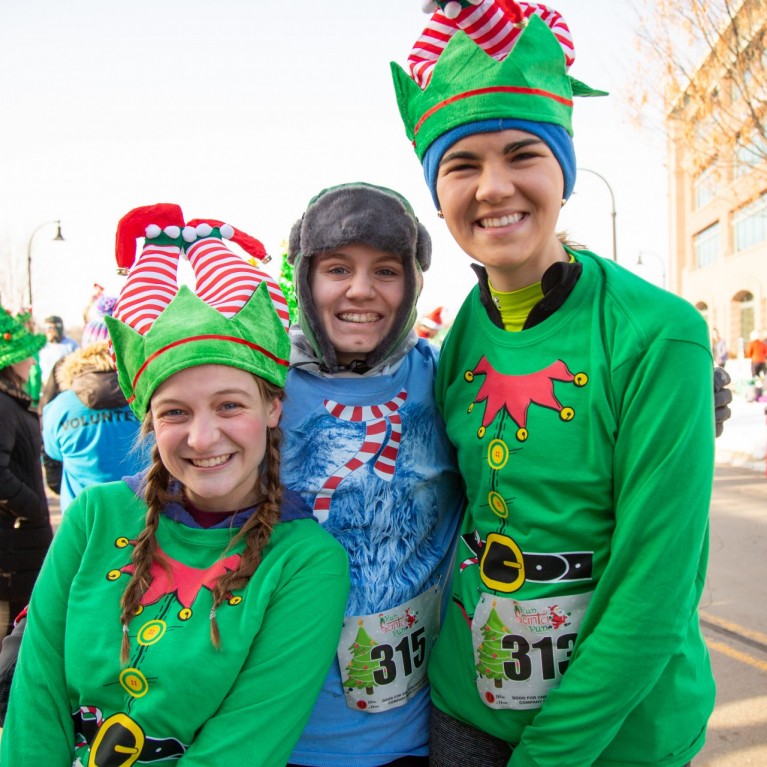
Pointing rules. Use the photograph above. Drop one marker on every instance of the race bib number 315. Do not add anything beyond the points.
(522, 647)
(383, 657)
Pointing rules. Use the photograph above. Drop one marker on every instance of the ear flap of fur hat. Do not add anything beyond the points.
(350, 214)
(423, 247)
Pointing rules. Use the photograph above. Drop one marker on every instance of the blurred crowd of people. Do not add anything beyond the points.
(755, 351)
(67, 425)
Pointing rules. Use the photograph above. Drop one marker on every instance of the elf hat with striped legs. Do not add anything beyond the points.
(493, 59)
(488, 65)
(493, 25)
(237, 315)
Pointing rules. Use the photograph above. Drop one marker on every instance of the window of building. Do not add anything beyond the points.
(707, 245)
(734, 88)
(748, 81)
(704, 187)
(749, 224)
(743, 303)
(740, 85)
(748, 154)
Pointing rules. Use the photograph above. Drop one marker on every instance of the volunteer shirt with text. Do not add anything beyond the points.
(73, 702)
(94, 444)
(586, 444)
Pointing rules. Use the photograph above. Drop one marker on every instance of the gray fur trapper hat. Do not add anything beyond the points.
(367, 214)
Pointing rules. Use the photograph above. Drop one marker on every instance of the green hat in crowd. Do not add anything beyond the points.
(16, 342)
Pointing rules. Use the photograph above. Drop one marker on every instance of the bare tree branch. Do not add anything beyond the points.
(702, 73)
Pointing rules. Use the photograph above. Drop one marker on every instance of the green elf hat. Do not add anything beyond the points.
(236, 316)
(480, 60)
(16, 342)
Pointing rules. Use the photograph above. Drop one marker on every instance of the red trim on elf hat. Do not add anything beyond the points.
(484, 91)
(207, 337)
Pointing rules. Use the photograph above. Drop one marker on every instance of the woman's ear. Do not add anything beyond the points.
(273, 412)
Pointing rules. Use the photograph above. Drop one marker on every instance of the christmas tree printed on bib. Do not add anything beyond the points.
(385, 655)
(360, 669)
(523, 647)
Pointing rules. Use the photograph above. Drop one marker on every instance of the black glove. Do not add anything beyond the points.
(722, 398)
(8, 657)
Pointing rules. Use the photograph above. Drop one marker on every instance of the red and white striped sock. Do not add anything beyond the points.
(494, 25)
(224, 280)
(151, 286)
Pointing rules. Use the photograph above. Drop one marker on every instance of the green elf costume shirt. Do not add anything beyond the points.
(181, 696)
(586, 444)
(243, 704)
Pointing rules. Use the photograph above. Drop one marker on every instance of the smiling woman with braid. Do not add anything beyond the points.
(170, 623)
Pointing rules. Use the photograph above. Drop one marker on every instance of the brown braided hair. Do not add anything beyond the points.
(256, 531)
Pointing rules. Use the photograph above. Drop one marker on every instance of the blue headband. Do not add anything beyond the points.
(556, 137)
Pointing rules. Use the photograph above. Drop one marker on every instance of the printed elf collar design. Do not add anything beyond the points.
(485, 59)
(237, 315)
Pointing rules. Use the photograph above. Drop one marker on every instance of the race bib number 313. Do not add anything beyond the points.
(383, 657)
(522, 647)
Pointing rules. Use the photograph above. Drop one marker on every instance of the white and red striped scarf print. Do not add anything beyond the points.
(378, 420)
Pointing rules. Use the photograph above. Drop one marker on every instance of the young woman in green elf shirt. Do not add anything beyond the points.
(186, 615)
(579, 400)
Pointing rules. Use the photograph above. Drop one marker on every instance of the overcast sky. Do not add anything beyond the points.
(242, 111)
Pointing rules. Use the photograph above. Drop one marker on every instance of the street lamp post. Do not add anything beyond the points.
(58, 238)
(660, 261)
(613, 213)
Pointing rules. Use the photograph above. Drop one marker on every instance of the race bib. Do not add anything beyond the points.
(522, 647)
(383, 657)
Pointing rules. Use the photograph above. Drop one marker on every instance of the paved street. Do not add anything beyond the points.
(53, 507)
(734, 618)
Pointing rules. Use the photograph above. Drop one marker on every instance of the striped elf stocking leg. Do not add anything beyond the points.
(152, 279)
(494, 25)
(224, 280)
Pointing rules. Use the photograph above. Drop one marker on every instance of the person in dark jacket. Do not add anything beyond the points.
(25, 526)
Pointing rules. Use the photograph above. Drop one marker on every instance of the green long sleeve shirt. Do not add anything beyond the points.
(586, 443)
(178, 701)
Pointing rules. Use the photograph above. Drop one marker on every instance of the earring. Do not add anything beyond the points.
(562, 204)
(440, 214)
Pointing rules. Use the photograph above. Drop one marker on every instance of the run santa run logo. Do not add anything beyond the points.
(397, 623)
